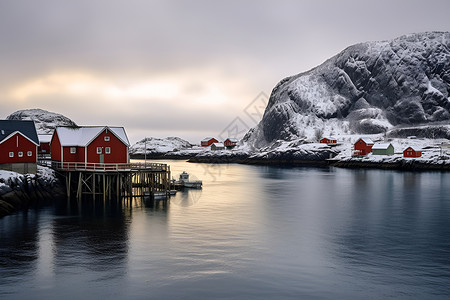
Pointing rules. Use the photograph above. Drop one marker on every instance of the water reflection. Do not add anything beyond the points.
(396, 233)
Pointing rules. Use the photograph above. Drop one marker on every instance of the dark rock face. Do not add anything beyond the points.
(370, 86)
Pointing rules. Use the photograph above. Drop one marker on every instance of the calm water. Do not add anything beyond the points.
(251, 233)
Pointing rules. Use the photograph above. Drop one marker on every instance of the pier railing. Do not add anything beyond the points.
(109, 167)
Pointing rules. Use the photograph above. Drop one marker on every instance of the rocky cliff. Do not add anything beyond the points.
(368, 88)
(45, 121)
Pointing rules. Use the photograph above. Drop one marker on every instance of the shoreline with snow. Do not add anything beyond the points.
(305, 153)
(23, 191)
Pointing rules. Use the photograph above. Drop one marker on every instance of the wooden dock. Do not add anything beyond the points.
(109, 181)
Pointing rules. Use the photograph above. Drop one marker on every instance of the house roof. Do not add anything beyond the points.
(367, 141)
(414, 148)
(381, 146)
(233, 140)
(83, 136)
(207, 139)
(218, 145)
(27, 128)
(45, 138)
(329, 138)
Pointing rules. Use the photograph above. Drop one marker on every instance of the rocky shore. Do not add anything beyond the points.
(18, 191)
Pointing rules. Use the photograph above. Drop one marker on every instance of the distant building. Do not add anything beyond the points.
(44, 143)
(208, 141)
(412, 152)
(230, 143)
(328, 140)
(217, 146)
(99, 145)
(363, 146)
(19, 144)
(382, 149)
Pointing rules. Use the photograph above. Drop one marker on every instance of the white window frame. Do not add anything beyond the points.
(11, 154)
(107, 138)
(30, 153)
(73, 150)
(20, 154)
(99, 150)
(107, 150)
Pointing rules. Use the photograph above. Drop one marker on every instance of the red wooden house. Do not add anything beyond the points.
(208, 141)
(412, 152)
(18, 146)
(363, 146)
(90, 145)
(44, 144)
(230, 142)
(328, 140)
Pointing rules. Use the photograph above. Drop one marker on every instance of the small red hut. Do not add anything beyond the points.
(97, 145)
(206, 142)
(18, 146)
(44, 144)
(412, 152)
(328, 140)
(363, 146)
(230, 142)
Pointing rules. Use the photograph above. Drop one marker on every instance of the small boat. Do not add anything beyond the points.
(155, 195)
(172, 192)
(184, 182)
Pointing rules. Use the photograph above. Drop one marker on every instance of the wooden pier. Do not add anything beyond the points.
(108, 181)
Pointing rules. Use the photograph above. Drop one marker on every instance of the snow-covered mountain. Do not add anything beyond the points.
(45, 121)
(367, 88)
(157, 146)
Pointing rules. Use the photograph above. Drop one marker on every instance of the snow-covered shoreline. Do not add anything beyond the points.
(20, 191)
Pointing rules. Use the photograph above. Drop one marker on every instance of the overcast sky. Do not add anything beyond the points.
(180, 68)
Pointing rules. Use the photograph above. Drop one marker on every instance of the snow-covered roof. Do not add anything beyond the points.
(233, 140)
(27, 129)
(83, 136)
(367, 141)
(207, 139)
(329, 138)
(414, 148)
(381, 146)
(45, 138)
(218, 145)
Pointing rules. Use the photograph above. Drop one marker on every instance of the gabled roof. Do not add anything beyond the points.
(233, 140)
(381, 146)
(27, 128)
(83, 136)
(329, 138)
(45, 138)
(367, 141)
(414, 148)
(207, 139)
(219, 145)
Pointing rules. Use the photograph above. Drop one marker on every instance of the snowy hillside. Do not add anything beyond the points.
(45, 121)
(156, 146)
(368, 88)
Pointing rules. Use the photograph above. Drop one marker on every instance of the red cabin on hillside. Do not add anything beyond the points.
(18, 146)
(208, 141)
(363, 146)
(230, 142)
(412, 152)
(90, 145)
(328, 140)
